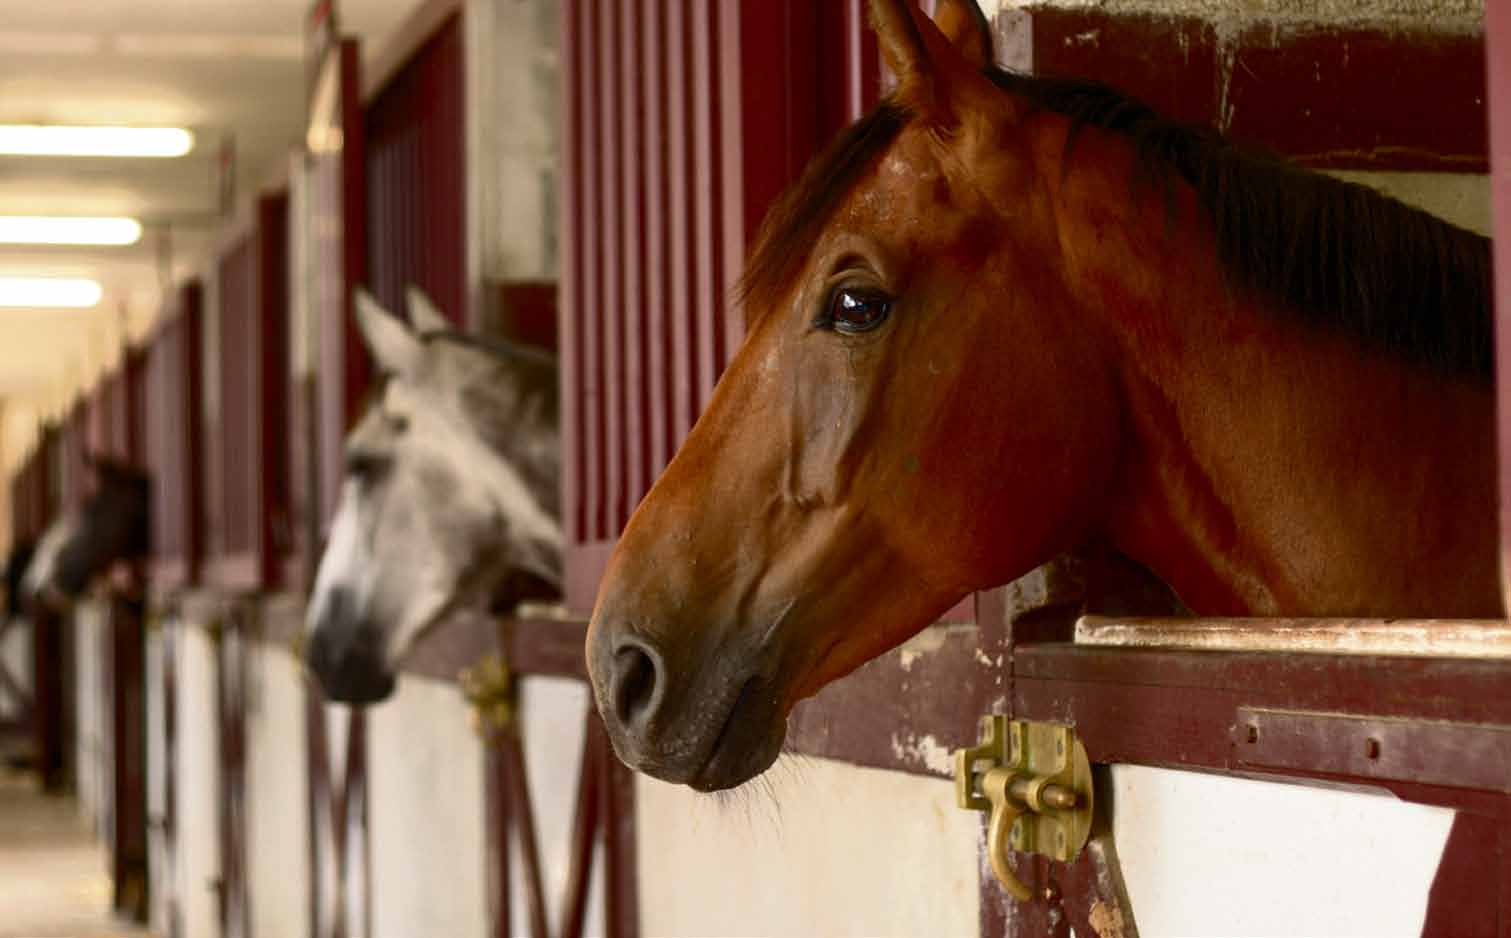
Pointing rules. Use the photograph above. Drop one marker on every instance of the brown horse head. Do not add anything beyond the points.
(973, 343)
(832, 499)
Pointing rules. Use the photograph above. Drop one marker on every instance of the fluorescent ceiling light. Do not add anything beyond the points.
(57, 292)
(57, 140)
(39, 229)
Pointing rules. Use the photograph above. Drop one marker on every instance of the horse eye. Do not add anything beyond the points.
(853, 311)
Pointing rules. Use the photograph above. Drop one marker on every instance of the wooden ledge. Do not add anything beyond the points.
(1427, 638)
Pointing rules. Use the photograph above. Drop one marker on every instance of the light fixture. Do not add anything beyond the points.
(59, 140)
(52, 292)
(41, 229)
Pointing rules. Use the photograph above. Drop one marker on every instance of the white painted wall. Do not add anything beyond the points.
(823, 848)
(427, 814)
(552, 711)
(198, 783)
(92, 738)
(1207, 855)
(276, 795)
(158, 868)
(15, 651)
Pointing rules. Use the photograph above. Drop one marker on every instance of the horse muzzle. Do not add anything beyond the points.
(349, 669)
(710, 728)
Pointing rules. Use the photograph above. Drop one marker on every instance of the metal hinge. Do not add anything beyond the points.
(1035, 781)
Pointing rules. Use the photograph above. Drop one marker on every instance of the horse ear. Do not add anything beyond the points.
(938, 65)
(424, 317)
(902, 47)
(393, 347)
(965, 26)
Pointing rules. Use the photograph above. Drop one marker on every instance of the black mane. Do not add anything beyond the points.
(1335, 254)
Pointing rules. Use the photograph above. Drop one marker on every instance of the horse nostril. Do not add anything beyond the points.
(634, 685)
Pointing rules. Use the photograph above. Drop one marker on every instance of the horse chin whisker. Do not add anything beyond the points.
(755, 800)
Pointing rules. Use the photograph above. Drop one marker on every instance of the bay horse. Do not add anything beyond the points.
(450, 496)
(1003, 316)
(113, 524)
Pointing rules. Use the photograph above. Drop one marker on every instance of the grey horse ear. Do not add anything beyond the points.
(424, 317)
(394, 348)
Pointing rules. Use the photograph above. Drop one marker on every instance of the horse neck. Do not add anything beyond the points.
(1272, 468)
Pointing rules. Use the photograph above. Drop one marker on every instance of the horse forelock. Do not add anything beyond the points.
(1334, 254)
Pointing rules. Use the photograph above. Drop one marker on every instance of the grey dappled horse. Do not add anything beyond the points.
(450, 496)
(113, 524)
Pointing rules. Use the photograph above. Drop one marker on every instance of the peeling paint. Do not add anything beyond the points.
(924, 751)
(1439, 16)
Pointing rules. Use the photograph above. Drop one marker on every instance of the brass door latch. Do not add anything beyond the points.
(489, 687)
(1035, 780)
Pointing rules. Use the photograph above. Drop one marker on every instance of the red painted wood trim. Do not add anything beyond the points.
(585, 823)
(630, 313)
(655, 347)
(517, 790)
(1327, 96)
(422, 23)
(620, 892)
(585, 564)
(500, 883)
(681, 213)
(1498, 72)
(573, 273)
(588, 316)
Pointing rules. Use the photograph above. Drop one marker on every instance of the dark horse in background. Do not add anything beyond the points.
(1005, 316)
(113, 524)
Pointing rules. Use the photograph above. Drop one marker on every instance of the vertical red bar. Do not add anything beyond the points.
(707, 200)
(631, 312)
(657, 345)
(614, 203)
(572, 272)
(681, 267)
(590, 236)
(1498, 69)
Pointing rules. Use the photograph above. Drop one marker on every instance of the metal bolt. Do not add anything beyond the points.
(1372, 748)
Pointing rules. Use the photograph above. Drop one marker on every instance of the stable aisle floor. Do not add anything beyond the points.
(53, 881)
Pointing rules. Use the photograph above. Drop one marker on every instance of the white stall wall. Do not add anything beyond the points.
(823, 848)
(93, 738)
(15, 651)
(277, 795)
(552, 711)
(1207, 855)
(158, 868)
(198, 778)
(426, 815)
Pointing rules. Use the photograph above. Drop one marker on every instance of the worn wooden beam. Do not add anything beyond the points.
(1381, 96)
(1442, 638)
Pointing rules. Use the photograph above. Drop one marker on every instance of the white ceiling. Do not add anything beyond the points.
(228, 69)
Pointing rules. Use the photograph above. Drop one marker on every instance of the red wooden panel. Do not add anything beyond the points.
(610, 156)
(416, 181)
(683, 122)
(1324, 94)
(1498, 54)
(173, 440)
(252, 443)
(339, 241)
(573, 267)
(74, 467)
